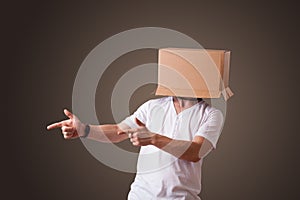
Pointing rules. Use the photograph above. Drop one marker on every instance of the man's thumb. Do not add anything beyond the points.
(68, 114)
(139, 122)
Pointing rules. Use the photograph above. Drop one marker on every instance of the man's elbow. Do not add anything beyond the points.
(196, 152)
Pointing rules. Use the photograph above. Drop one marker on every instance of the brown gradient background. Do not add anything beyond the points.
(44, 44)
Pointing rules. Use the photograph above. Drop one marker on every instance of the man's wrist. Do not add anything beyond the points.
(160, 141)
(86, 131)
(154, 139)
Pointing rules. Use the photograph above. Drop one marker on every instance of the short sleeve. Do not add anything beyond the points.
(140, 113)
(211, 128)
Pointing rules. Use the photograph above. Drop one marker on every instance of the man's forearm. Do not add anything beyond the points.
(186, 150)
(106, 133)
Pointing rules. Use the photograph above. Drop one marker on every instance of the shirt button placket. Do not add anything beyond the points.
(176, 126)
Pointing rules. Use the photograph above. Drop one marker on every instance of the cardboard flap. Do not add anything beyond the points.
(227, 93)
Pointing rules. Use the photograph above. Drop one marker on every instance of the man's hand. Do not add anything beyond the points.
(140, 136)
(70, 128)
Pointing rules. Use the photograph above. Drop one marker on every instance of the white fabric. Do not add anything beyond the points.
(161, 175)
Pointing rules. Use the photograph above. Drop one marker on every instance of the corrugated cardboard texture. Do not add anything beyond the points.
(193, 73)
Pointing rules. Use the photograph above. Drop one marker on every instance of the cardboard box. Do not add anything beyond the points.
(199, 73)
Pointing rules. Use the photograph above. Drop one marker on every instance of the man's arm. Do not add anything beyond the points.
(186, 150)
(107, 133)
(73, 128)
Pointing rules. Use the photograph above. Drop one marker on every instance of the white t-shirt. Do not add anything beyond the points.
(161, 175)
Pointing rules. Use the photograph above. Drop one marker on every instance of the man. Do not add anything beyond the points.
(174, 133)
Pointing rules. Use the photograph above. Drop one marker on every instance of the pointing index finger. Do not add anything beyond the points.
(57, 125)
(128, 131)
